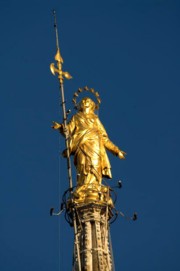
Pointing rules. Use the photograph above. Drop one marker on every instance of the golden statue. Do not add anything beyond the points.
(88, 142)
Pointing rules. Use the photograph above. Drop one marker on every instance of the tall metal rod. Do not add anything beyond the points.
(61, 76)
(56, 30)
(76, 239)
(66, 136)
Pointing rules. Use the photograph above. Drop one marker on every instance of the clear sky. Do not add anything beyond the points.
(129, 51)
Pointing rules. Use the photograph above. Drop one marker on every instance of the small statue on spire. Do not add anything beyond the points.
(88, 142)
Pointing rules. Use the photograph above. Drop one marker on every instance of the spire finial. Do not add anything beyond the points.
(56, 29)
(58, 57)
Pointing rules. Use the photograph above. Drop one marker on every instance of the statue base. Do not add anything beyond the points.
(92, 194)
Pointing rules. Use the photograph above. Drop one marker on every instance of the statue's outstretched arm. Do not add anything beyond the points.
(114, 149)
(109, 145)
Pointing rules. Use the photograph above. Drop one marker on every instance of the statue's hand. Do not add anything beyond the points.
(56, 125)
(65, 131)
(121, 154)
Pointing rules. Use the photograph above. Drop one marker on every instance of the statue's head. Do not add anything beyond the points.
(80, 106)
(87, 103)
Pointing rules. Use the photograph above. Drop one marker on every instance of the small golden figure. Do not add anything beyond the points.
(88, 142)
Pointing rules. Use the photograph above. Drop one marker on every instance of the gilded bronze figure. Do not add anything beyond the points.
(88, 142)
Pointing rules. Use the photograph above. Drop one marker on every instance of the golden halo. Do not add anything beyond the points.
(80, 90)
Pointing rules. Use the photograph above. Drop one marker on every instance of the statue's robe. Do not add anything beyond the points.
(88, 142)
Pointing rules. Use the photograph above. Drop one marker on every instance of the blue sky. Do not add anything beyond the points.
(129, 52)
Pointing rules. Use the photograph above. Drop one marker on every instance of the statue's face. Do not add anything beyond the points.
(87, 103)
